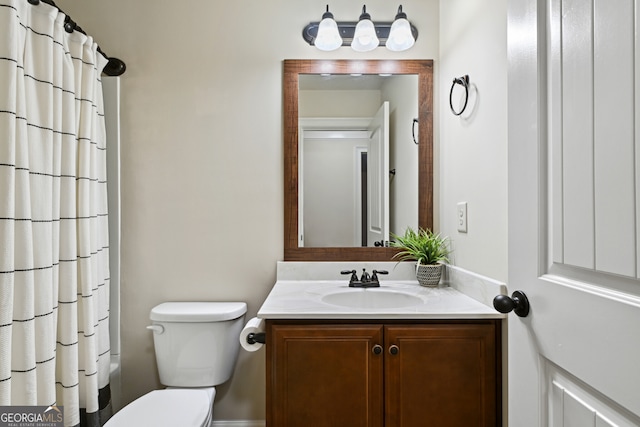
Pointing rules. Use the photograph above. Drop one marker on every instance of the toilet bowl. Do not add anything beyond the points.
(196, 346)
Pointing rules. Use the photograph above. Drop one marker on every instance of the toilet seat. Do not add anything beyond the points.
(185, 407)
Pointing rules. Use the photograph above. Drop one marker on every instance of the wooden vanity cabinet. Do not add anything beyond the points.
(427, 373)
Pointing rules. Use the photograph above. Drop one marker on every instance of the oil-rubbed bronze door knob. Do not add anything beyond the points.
(393, 350)
(518, 303)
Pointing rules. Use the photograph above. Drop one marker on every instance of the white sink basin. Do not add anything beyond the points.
(371, 298)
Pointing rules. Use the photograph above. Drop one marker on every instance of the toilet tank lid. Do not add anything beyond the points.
(198, 311)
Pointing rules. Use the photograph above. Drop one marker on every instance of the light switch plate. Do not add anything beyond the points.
(462, 217)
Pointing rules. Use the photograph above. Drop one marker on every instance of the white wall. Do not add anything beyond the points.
(111, 99)
(202, 169)
(338, 103)
(473, 147)
(330, 196)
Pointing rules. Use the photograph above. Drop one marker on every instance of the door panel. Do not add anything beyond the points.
(614, 163)
(441, 375)
(576, 90)
(324, 376)
(573, 403)
(591, 138)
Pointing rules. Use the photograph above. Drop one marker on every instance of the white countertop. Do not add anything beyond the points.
(302, 299)
(301, 286)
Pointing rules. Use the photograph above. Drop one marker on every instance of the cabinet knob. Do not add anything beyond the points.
(377, 349)
(394, 350)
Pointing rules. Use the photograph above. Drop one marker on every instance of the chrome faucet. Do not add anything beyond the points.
(366, 280)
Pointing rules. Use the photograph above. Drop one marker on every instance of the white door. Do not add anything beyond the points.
(378, 177)
(574, 205)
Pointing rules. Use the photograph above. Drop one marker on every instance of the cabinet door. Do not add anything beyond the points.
(441, 375)
(324, 375)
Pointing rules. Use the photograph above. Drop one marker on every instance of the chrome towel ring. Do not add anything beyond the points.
(463, 81)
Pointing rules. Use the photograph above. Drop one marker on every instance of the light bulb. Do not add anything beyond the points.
(400, 35)
(328, 37)
(365, 37)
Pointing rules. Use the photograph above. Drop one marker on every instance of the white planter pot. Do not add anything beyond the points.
(429, 274)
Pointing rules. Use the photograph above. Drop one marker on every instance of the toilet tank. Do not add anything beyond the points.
(196, 343)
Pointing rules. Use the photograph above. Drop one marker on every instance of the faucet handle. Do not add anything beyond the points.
(354, 277)
(374, 277)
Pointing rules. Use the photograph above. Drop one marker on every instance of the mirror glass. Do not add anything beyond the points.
(358, 162)
(358, 156)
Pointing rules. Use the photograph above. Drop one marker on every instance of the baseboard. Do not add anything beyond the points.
(239, 423)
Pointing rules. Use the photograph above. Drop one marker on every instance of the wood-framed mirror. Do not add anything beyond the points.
(293, 70)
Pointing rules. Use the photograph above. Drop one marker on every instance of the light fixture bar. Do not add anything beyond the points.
(347, 29)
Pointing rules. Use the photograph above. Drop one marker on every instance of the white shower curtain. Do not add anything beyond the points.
(54, 251)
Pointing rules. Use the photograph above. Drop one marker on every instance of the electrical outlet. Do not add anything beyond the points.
(462, 217)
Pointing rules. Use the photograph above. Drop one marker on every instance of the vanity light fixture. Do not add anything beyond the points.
(363, 35)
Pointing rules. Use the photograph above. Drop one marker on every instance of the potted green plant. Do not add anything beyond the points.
(428, 249)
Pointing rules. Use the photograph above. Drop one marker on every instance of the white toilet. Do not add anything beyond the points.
(196, 346)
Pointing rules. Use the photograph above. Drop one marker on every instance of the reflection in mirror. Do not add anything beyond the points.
(358, 163)
(328, 132)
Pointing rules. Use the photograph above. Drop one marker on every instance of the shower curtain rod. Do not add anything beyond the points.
(115, 66)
